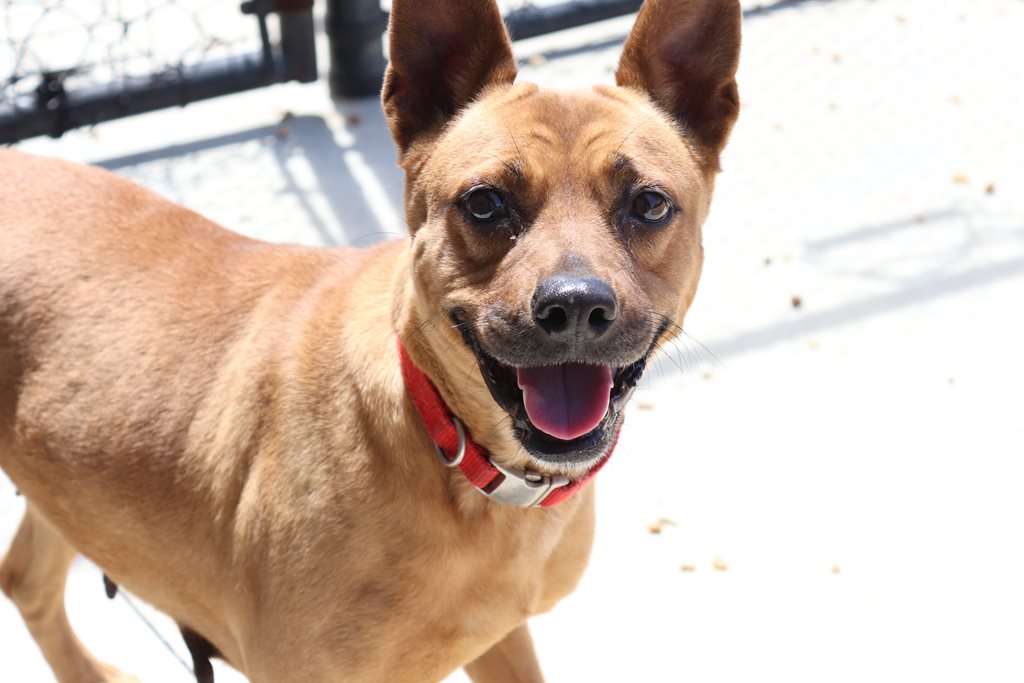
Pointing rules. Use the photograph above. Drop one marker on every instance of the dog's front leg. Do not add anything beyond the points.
(33, 574)
(510, 660)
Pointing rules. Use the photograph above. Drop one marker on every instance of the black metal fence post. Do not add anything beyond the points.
(536, 20)
(355, 29)
(298, 39)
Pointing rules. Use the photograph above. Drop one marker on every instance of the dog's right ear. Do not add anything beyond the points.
(443, 54)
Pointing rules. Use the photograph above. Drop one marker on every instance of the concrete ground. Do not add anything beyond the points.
(824, 481)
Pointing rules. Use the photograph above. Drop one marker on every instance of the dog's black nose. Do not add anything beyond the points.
(574, 307)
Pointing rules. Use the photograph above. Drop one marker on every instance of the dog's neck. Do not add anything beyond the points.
(438, 351)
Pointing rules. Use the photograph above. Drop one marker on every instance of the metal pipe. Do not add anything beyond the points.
(60, 110)
(298, 44)
(531, 21)
(355, 29)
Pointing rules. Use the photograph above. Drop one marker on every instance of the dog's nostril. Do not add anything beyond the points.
(600, 319)
(553, 319)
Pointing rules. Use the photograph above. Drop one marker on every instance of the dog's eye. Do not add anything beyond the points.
(484, 205)
(652, 207)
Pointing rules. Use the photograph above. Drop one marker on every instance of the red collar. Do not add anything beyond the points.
(505, 485)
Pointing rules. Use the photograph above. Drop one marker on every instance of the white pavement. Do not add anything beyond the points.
(839, 484)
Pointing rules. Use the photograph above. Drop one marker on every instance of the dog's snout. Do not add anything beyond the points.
(566, 306)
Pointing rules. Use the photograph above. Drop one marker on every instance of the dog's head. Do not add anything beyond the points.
(557, 235)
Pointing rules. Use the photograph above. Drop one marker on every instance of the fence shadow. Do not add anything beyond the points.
(358, 182)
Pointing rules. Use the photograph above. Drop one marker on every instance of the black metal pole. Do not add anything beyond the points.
(298, 41)
(355, 29)
(531, 21)
(62, 110)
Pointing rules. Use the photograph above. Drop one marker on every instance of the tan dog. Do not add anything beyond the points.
(224, 425)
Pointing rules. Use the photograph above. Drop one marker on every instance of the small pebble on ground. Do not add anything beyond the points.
(657, 526)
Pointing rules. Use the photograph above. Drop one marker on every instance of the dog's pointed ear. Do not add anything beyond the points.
(684, 54)
(443, 54)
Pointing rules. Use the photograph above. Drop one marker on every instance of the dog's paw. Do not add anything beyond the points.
(112, 674)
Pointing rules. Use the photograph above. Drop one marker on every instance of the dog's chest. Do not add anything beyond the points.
(453, 594)
(494, 584)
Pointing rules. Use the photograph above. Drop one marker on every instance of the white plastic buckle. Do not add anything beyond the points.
(523, 488)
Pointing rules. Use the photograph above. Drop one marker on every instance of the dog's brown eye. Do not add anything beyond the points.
(652, 207)
(484, 205)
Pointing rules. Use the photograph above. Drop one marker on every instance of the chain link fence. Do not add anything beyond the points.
(69, 63)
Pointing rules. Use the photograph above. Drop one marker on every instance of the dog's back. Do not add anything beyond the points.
(108, 289)
(113, 326)
(128, 326)
(144, 362)
(104, 288)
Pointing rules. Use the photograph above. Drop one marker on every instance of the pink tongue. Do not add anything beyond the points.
(566, 401)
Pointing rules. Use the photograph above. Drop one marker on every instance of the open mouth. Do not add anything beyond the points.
(565, 413)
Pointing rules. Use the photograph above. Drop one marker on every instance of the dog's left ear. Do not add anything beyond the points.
(684, 54)
(443, 54)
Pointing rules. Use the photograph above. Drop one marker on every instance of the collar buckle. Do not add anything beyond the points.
(523, 488)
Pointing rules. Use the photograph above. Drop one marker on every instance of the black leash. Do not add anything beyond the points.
(207, 672)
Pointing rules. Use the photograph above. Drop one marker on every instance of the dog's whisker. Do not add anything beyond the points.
(522, 261)
(668, 353)
(504, 418)
(684, 354)
(363, 238)
(630, 133)
(703, 346)
(515, 143)
(418, 330)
